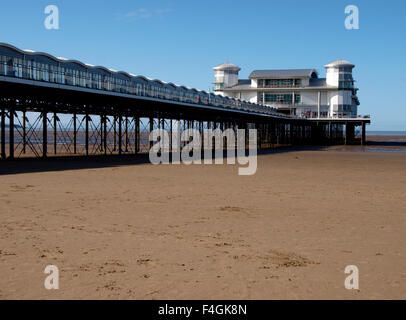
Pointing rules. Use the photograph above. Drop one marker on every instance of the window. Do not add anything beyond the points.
(347, 84)
(278, 98)
(298, 98)
(279, 83)
(345, 69)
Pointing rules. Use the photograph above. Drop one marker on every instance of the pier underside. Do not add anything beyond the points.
(42, 122)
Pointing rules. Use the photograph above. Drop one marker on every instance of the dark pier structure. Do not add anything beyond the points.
(53, 106)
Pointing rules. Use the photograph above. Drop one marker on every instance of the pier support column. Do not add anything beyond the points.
(74, 134)
(126, 134)
(24, 133)
(259, 132)
(245, 126)
(137, 134)
(44, 134)
(170, 135)
(201, 126)
(222, 128)
(105, 133)
(55, 133)
(3, 133)
(330, 134)
(87, 134)
(349, 133)
(336, 132)
(11, 134)
(120, 133)
(291, 133)
(272, 132)
(346, 134)
(101, 133)
(363, 134)
(151, 128)
(283, 132)
(114, 133)
(212, 126)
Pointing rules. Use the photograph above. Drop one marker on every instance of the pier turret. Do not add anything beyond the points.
(225, 76)
(339, 74)
(343, 102)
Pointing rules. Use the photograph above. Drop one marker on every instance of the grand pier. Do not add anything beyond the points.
(54, 106)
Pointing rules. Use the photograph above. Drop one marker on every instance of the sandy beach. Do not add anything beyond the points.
(131, 230)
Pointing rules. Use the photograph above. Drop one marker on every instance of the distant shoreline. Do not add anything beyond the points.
(386, 133)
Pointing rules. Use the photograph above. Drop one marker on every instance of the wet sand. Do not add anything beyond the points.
(130, 230)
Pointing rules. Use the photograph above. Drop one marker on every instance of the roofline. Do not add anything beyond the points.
(284, 76)
(232, 67)
(88, 66)
(335, 64)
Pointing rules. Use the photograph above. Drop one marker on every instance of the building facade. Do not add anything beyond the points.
(298, 92)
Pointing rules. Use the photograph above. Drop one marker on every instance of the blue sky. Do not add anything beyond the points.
(180, 41)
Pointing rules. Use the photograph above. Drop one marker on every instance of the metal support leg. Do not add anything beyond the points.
(120, 133)
(330, 134)
(201, 134)
(11, 134)
(55, 133)
(137, 134)
(24, 133)
(259, 132)
(3, 133)
(291, 134)
(115, 133)
(151, 128)
(74, 133)
(126, 134)
(44, 134)
(105, 133)
(87, 135)
(363, 134)
(101, 133)
(170, 135)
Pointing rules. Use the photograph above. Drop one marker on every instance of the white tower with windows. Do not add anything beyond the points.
(225, 76)
(342, 103)
(339, 70)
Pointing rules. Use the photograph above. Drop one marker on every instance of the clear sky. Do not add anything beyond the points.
(180, 41)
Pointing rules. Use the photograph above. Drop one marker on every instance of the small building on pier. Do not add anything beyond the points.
(299, 92)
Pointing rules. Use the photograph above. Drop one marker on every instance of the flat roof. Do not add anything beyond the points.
(285, 73)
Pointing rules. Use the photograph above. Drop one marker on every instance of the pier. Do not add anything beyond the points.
(57, 107)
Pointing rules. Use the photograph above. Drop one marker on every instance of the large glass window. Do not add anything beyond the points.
(279, 83)
(298, 98)
(278, 98)
(348, 84)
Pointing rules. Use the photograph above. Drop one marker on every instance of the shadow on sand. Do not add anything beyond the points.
(389, 143)
(30, 165)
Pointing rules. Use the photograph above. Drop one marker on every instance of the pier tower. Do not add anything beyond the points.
(225, 76)
(344, 101)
